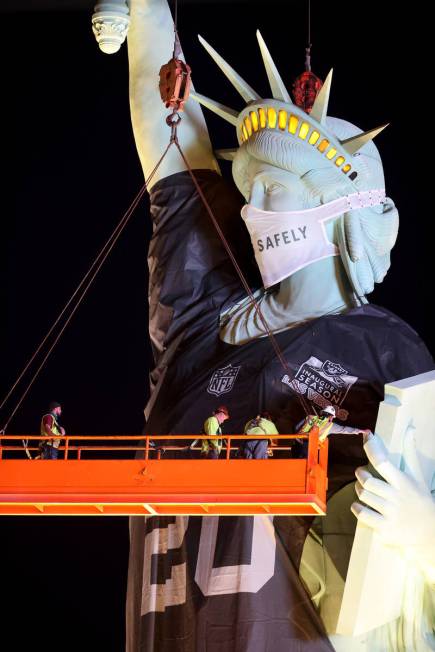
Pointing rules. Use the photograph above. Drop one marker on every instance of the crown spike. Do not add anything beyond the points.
(278, 89)
(239, 84)
(320, 106)
(352, 145)
(223, 111)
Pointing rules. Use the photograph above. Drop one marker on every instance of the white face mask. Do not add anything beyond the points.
(287, 241)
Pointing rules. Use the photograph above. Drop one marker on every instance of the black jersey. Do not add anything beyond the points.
(231, 584)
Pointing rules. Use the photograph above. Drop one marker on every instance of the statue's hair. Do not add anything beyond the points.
(365, 237)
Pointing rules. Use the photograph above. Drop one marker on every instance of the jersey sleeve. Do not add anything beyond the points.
(191, 278)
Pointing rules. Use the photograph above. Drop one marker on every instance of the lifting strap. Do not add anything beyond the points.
(78, 295)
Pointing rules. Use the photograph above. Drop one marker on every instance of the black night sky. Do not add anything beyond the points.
(72, 170)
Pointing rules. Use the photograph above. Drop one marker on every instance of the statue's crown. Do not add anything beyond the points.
(281, 115)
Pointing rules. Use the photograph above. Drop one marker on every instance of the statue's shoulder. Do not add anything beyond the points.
(371, 315)
(393, 341)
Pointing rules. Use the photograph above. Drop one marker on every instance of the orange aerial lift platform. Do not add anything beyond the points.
(155, 484)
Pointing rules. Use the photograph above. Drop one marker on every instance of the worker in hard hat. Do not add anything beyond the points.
(325, 424)
(50, 427)
(211, 448)
(256, 449)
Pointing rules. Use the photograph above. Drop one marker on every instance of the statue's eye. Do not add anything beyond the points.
(272, 187)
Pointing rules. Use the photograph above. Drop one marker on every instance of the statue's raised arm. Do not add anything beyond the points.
(150, 45)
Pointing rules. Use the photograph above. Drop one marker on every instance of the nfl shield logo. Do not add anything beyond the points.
(223, 380)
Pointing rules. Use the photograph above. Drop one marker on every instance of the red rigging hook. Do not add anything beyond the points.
(175, 82)
(307, 86)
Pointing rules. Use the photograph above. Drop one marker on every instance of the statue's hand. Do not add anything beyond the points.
(400, 509)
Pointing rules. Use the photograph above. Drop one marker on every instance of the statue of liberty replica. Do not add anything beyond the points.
(311, 229)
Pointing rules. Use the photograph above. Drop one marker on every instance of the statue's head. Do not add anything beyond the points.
(289, 161)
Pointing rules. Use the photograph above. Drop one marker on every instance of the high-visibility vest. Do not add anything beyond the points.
(323, 424)
(211, 427)
(54, 428)
(260, 426)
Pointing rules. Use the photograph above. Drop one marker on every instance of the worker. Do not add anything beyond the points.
(326, 426)
(256, 449)
(50, 428)
(211, 448)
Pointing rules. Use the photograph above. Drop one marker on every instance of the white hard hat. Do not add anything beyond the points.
(329, 409)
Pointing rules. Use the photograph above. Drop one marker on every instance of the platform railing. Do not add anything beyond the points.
(148, 443)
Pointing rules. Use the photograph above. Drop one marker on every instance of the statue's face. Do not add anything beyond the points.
(274, 189)
(278, 174)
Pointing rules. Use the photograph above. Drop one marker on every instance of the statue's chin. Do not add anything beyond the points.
(319, 289)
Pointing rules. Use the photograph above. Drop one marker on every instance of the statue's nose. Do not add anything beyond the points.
(257, 195)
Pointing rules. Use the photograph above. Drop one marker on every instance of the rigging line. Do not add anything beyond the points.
(242, 278)
(66, 306)
(124, 221)
(119, 226)
(177, 45)
(309, 23)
